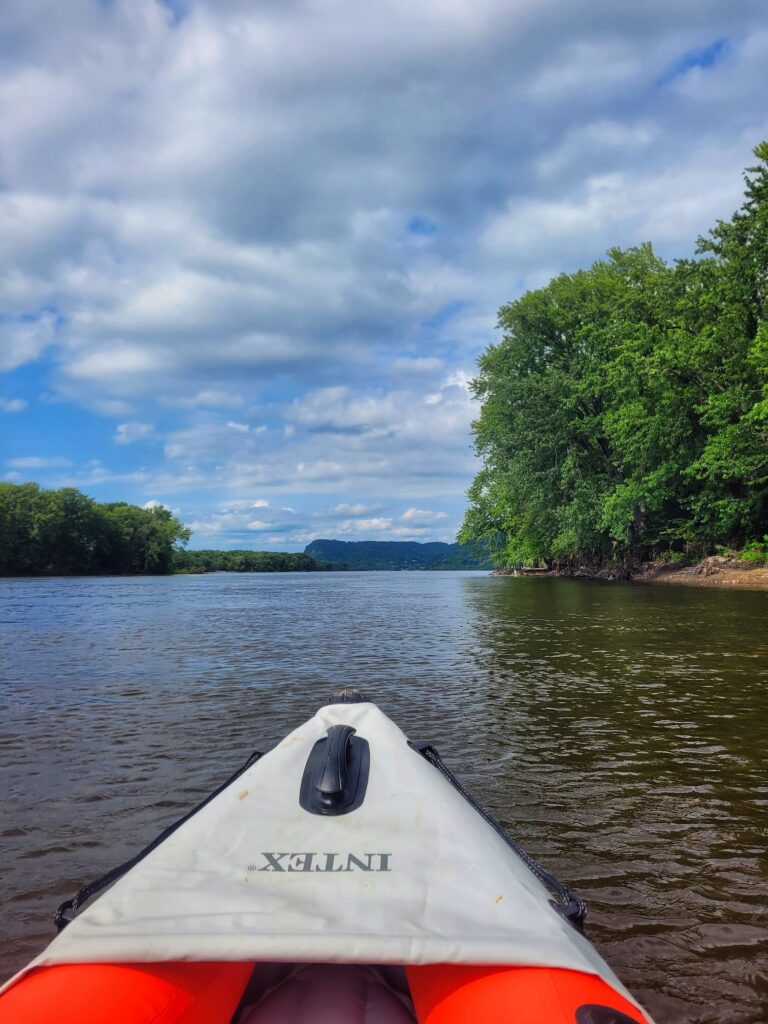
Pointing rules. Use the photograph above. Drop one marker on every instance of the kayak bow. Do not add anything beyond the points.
(345, 876)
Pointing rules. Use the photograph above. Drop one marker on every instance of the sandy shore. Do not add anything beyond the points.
(712, 572)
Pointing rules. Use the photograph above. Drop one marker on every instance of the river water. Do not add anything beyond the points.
(620, 732)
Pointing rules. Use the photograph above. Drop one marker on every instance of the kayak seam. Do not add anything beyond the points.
(60, 918)
(567, 903)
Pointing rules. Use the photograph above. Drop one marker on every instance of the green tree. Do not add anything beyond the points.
(143, 540)
(20, 551)
(729, 346)
(243, 561)
(61, 532)
(625, 409)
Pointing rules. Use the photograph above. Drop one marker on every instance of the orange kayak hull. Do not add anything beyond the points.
(209, 993)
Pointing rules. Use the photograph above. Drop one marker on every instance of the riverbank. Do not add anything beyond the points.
(711, 572)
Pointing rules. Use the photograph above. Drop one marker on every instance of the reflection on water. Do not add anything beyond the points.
(618, 731)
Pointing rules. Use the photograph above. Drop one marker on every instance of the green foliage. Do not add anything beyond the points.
(673, 557)
(625, 409)
(63, 532)
(756, 552)
(243, 561)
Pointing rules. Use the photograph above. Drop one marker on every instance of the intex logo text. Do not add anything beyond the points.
(323, 862)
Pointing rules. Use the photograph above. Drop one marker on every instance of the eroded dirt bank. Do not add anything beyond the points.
(711, 572)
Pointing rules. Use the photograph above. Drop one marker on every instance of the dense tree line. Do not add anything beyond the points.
(625, 409)
(63, 532)
(243, 561)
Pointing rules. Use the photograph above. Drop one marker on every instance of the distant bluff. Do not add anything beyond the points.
(385, 554)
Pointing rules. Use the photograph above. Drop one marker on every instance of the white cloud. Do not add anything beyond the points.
(393, 414)
(202, 399)
(185, 263)
(417, 365)
(358, 509)
(582, 145)
(242, 504)
(243, 428)
(120, 367)
(128, 433)
(587, 68)
(204, 527)
(39, 462)
(683, 198)
(458, 379)
(11, 405)
(259, 524)
(362, 526)
(422, 515)
(24, 340)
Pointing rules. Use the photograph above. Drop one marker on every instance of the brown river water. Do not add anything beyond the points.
(619, 732)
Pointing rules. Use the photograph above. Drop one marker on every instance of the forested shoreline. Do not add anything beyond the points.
(243, 561)
(624, 411)
(64, 532)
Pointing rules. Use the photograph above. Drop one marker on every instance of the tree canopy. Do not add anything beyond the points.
(63, 532)
(625, 409)
(243, 561)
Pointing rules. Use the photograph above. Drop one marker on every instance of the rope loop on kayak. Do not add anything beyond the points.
(70, 907)
(566, 903)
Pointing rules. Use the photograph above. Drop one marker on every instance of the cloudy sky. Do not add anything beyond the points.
(250, 251)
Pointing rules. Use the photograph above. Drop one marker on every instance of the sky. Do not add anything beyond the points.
(251, 251)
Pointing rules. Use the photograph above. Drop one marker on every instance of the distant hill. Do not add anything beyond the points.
(386, 554)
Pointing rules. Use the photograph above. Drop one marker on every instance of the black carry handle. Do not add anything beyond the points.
(336, 774)
(60, 918)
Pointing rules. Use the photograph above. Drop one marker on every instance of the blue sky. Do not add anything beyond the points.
(251, 252)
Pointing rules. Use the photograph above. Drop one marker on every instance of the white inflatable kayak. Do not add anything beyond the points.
(343, 877)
